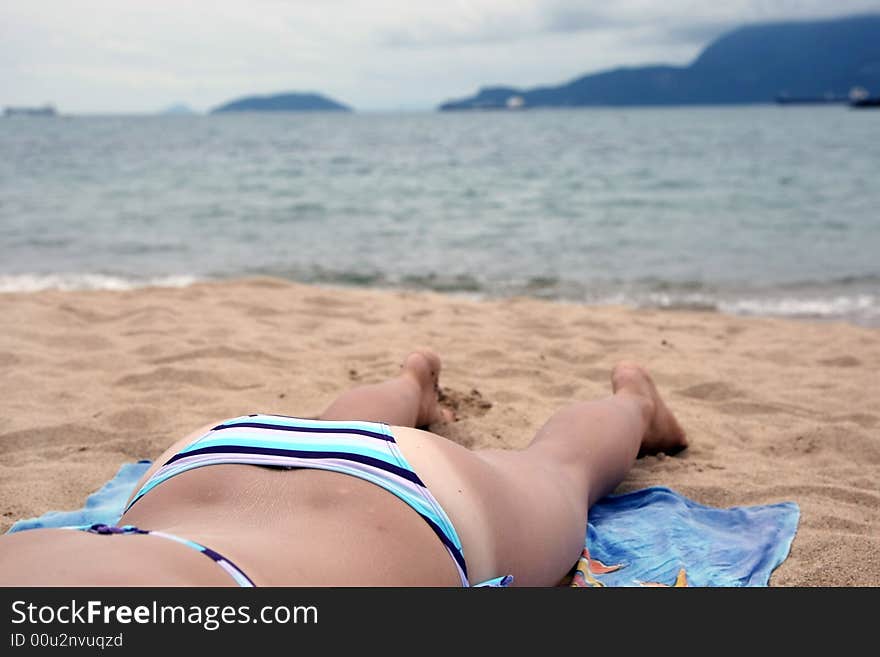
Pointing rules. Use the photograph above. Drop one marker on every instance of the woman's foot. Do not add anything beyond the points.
(664, 433)
(423, 365)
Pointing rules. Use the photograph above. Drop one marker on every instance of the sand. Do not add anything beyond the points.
(775, 409)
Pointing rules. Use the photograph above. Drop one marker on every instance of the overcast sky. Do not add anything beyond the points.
(142, 55)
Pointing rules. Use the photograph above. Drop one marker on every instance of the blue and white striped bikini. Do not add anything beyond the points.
(234, 571)
(366, 450)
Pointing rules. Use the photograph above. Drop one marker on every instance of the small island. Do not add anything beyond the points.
(286, 102)
(178, 109)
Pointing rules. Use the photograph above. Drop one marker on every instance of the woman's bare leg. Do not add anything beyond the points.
(597, 442)
(539, 496)
(407, 400)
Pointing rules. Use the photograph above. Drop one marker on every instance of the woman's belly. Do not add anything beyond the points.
(299, 527)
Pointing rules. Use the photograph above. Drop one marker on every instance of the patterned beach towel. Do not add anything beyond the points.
(657, 537)
(651, 537)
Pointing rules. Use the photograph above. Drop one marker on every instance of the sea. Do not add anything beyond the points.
(757, 210)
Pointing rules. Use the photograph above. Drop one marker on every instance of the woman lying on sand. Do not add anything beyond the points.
(321, 514)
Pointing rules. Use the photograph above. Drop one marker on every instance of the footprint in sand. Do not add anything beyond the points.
(255, 310)
(464, 404)
(417, 315)
(330, 302)
(488, 355)
(841, 361)
(712, 391)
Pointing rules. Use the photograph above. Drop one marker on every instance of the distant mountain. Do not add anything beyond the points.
(288, 102)
(751, 64)
(177, 108)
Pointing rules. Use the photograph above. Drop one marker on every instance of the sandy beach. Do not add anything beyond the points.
(776, 410)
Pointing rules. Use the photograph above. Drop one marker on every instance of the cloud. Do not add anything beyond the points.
(576, 18)
(699, 32)
(489, 22)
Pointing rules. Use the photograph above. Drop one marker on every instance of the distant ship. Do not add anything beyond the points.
(860, 98)
(45, 110)
(865, 102)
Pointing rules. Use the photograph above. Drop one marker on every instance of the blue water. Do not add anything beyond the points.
(761, 210)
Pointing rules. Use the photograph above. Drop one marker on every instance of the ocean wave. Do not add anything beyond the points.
(69, 282)
(848, 298)
(859, 306)
(835, 300)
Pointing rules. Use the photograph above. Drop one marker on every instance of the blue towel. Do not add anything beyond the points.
(657, 537)
(653, 536)
(103, 506)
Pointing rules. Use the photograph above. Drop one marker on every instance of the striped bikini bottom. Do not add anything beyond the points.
(366, 450)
